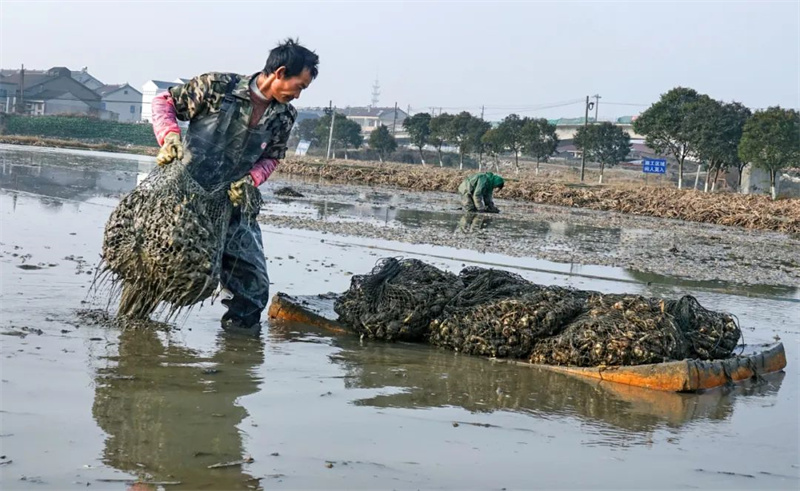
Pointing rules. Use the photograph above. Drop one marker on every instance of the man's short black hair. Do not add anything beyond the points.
(501, 186)
(294, 57)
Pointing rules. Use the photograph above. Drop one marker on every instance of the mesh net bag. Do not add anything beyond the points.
(500, 314)
(483, 285)
(164, 242)
(711, 335)
(506, 327)
(397, 300)
(615, 330)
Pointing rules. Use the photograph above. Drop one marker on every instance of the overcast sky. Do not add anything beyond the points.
(509, 57)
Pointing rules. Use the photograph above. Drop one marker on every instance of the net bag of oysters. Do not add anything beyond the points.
(397, 300)
(164, 242)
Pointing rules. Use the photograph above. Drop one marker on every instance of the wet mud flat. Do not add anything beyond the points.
(699, 252)
(186, 407)
(574, 236)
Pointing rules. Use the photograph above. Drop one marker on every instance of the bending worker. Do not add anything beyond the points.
(476, 192)
(238, 129)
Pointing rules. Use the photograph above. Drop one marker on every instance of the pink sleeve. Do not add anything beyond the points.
(262, 170)
(165, 119)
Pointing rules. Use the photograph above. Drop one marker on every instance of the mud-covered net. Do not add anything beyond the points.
(164, 242)
(397, 300)
(500, 314)
(615, 330)
(710, 335)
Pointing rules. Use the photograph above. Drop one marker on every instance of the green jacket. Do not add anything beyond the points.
(480, 187)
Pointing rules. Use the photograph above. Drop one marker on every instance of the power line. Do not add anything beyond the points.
(626, 104)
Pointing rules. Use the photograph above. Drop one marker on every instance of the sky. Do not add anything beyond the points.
(535, 58)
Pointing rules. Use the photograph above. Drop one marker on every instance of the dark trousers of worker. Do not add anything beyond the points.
(244, 269)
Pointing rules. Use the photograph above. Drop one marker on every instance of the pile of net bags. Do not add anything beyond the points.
(163, 243)
(500, 314)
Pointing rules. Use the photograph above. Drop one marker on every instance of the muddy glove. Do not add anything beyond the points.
(237, 191)
(171, 149)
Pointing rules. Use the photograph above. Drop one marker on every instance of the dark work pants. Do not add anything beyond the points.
(244, 269)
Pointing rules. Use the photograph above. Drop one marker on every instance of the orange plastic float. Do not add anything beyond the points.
(674, 376)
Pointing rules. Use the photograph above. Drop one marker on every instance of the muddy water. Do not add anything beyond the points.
(84, 404)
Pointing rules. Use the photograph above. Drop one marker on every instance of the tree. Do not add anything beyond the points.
(667, 127)
(458, 132)
(418, 127)
(511, 130)
(382, 141)
(323, 130)
(771, 141)
(439, 128)
(539, 140)
(494, 144)
(717, 132)
(478, 128)
(605, 143)
(306, 129)
(347, 133)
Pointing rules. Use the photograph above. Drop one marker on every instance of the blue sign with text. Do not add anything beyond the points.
(654, 166)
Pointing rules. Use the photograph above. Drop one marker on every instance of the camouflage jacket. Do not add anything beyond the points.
(203, 95)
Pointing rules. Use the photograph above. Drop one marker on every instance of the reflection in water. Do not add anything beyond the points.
(64, 182)
(431, 378)
(473, 223)
(661, 283)
(170, 413)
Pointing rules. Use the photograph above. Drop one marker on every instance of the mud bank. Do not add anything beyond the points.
(95, 407)
(671, 248)
(747, 211)
(36, 141)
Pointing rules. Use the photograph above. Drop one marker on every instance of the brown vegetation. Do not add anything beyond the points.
(748, 211)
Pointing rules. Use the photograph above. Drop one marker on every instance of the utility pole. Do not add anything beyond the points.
(330, 135)
(596, 106)
(21, 100)
(482, 108)
(583, 150)
(394, 123)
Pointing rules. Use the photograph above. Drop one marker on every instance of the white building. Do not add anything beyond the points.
(123, 100)
(152, 88)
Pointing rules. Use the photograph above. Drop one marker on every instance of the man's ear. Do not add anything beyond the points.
(280, 73)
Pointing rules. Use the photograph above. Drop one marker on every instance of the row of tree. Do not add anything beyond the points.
(346, 135)
(685, 123)
(470, 134)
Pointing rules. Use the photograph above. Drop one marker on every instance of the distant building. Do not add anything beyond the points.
(123, 100)
(152, 88)
(50, 92)
(369, 118)
(86, 79)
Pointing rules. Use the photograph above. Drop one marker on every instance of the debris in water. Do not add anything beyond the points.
(289, 193)
(728, 473)
(136, 481)
(246, 460)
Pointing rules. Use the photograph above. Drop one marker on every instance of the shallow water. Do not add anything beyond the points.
(85, 404)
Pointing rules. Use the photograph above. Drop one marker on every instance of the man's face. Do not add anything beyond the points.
(286, 89)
